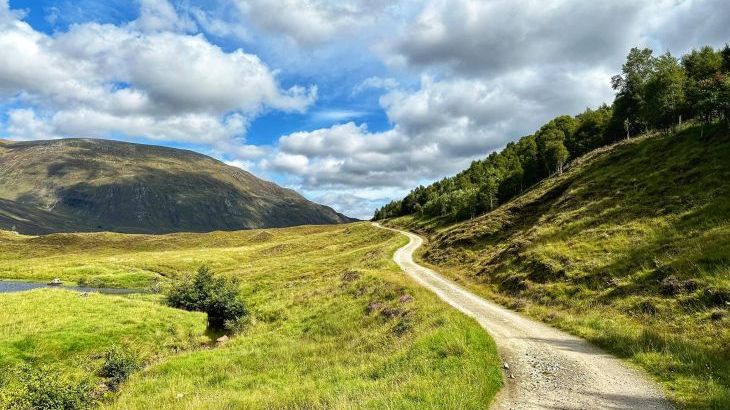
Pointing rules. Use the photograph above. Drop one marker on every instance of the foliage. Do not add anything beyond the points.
(45, 388)
(629, 248)
(203, 292)
(118, 365)
(652, 93)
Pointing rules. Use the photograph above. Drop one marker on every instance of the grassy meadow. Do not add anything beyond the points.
(61, 327)
(629, 248)
(333, 322)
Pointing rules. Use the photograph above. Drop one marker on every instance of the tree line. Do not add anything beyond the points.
(652, 93)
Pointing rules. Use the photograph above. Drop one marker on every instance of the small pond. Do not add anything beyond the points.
(7, 286)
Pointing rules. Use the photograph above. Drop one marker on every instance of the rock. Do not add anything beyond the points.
(405, 298)
(374, 306)
(222, 339)
(717, 314)
(350, 276)
(506, 366)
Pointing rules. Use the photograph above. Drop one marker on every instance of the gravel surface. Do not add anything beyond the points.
(544, 368)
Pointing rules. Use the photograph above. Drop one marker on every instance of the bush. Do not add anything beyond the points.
(216, 296)
(45, 388)
(118, 365)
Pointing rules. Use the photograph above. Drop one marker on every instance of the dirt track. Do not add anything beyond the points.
(544, 368)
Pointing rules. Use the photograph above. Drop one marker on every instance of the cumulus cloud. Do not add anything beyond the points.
(487, 38)
(438, 129)
(311, 22)
(497, 70)
(681, 25)
(160, 15)
(139, 79)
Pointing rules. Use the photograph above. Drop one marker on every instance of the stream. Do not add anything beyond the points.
(8, 286)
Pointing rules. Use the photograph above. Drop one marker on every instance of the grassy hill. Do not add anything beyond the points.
(333, 322)
(86, 185)
(630, 248)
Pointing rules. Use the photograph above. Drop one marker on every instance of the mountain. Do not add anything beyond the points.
(100, 185)
(628, 247)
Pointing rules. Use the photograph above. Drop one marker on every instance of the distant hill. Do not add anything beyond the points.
(100, 185)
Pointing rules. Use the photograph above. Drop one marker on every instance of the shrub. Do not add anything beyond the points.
(118, 365)
(45, 388)
(203, 292)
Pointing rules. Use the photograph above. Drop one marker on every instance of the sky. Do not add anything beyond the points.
(350, 102)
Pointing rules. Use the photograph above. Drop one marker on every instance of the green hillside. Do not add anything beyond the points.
(333, 323)
(73, 185)
(629, 247)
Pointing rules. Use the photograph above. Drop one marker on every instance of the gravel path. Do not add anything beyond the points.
(544, 368)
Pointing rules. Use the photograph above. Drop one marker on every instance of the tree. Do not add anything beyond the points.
(629, 86)
(725, 53)
(724, 97)
(664, 93)
(556, 155)
(591, 131)
(487, 195)
(701, 67)
(702, 63)
(511, 173)
(559, 130)
(203, 292)
(527, 153)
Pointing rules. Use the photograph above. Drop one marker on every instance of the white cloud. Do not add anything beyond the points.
(377, 83)
(311, 22)
(484, 38)
(139, 79)
(160, 15)
(437, 130)
(23, 124)
(244, 165)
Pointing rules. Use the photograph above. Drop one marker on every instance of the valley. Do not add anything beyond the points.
(332, 323)
(352, 204)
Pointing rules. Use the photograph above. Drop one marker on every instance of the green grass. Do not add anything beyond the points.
(334, 323)
(629, 248)
(61, 331)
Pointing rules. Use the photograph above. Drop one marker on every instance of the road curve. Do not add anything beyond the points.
(544, 368)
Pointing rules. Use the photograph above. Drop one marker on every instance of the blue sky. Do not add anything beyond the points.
(350, 102)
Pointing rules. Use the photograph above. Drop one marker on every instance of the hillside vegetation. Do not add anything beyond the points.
(82, 185)
(332, 322)
(628, 247)
(653, 93)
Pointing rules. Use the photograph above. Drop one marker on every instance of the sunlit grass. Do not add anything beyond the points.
(334, 323)
(630, 248)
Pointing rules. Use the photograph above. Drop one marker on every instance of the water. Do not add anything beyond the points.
(7, 286)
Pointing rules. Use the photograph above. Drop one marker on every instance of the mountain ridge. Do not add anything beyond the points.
(88, 184)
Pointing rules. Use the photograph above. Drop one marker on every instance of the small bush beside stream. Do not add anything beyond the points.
(217, 296)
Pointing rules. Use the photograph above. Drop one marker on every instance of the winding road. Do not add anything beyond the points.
(544, 368)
